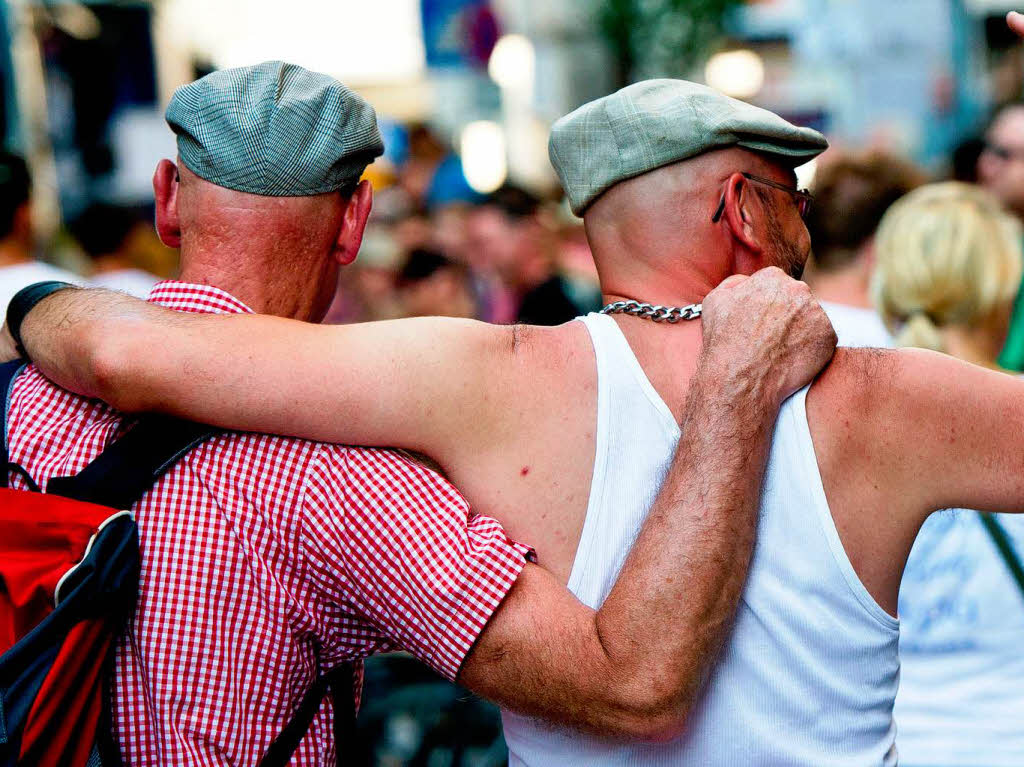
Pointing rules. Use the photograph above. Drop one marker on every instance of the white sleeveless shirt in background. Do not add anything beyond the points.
(810, 671)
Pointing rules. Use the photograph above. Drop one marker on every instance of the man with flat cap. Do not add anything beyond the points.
(565, 434)
(268, 561)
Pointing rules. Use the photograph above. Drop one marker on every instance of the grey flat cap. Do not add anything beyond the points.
(658, 122)
(274, 129)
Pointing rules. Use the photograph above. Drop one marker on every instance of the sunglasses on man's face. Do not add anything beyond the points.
(802, 197)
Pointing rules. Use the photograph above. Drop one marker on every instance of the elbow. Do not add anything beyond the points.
(655, 713)
(111, 350)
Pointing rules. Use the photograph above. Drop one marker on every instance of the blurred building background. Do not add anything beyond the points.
(468, 218)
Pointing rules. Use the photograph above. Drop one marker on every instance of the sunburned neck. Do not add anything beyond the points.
(283, 295)
(662, 289)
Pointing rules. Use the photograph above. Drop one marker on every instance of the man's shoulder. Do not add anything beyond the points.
(867, 379)
(549, 345)
(855, 384)
(868, 407)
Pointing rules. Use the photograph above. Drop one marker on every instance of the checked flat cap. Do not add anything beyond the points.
(274, 129)
(658, 122)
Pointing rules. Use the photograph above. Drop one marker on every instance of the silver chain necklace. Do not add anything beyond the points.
(670, 314)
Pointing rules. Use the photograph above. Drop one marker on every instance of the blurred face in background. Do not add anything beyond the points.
(497, 241)
(491, 239)
(446, 293)
(450, 234)
(432, 285)
(1001, 164)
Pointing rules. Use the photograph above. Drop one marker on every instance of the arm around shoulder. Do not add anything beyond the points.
(543, 654)
(424, 384)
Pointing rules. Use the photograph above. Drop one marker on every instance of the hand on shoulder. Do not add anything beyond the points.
(768, 331)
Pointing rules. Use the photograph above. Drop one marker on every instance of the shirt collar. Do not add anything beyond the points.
(189, 297)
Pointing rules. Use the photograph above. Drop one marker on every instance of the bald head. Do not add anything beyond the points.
(660, 223)
(213, 217)
(279, 254)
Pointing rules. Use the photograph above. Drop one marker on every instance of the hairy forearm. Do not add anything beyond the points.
(676, 595)
(83, 339)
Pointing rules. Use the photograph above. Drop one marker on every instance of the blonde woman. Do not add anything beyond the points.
(948, 267)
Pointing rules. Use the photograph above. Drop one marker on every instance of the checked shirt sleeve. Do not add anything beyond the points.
(394, 548)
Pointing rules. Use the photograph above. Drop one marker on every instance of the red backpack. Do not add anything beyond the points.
(69, 568)
(69, 572)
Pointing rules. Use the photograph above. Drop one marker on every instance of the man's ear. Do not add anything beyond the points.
(353, 223)
(741, 209)
(165, 191)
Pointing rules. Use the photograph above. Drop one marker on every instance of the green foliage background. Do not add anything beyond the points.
(661, 38)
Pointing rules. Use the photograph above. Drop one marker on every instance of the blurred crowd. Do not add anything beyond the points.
(905, 258)
(436, 247)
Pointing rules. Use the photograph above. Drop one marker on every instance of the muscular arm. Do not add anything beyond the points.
(412, 383)
(635, 667)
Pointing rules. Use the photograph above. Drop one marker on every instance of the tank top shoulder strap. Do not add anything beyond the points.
(619, 369)
(605, 336)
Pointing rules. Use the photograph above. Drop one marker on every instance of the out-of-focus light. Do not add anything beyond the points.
(512, 63)
(361, 44)
(739, 74)
(805, 174)
(482, 146)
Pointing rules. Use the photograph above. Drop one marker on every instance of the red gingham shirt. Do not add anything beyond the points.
(266, 560)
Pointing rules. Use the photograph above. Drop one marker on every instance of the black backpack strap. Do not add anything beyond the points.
(341, 683)
(346, 735)
(128, 468)
(8, 372)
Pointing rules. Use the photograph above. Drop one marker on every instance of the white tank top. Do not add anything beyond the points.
(809, 674)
